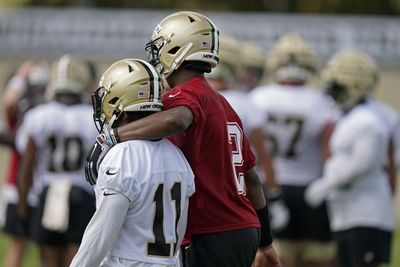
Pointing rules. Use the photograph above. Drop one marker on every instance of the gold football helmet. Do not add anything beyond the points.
(292, 58)
(127, 85)
(228, 66)
(253, 64)
(229, 51)
(252, 55)
(350, 76)
(183, 36)
(68, 76)
(39, 75)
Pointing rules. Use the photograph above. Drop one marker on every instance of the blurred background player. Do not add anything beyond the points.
(299, 123)
(94, 81)
(225, 78)
(24, 90)
(54, 139)
(252, 65)
(144, 186)
(354, 179)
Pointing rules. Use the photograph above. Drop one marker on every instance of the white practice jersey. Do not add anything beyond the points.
(364, 200)
(249, 115)
(391, 118)
(63, 135)
(295, 119)
(157, 181)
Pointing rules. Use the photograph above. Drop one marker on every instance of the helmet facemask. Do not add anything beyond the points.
(153, 48)
(99, 117)
(338, 92)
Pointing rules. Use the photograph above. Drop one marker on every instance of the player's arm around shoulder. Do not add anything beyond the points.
(159, 125)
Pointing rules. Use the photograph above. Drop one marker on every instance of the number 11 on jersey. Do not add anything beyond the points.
(235, 135)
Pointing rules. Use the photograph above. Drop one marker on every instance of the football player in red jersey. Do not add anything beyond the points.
(228, 208)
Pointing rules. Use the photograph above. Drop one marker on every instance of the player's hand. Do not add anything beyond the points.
(26, 67)
(316, 192)
(279, 212)
(266, 257)
(94, 158)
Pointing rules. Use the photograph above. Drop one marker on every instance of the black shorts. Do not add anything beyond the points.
(306, 223)
(14, 226)
(363, 246)
(224, 249)
(82, 206)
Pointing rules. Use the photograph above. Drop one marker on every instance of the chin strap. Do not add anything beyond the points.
(110, 136)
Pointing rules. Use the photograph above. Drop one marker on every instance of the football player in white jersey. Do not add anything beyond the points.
(354, 179)
(143, 186)
(297, 129)
(23, 91)
(53, 139)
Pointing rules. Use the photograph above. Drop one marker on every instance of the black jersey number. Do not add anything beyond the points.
(295, 126)
(159, 247)
(66, 153)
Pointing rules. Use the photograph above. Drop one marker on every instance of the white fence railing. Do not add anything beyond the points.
(122, 33)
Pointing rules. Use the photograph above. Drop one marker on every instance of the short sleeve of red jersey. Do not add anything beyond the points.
(250, 159)
(183, 96)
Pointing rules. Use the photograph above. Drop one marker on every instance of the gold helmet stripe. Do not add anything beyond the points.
(62, 68)
(215, 36)
(154, 82)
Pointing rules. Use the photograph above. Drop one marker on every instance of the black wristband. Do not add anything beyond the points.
(266, 234)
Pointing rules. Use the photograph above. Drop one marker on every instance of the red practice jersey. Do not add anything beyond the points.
(219, 155)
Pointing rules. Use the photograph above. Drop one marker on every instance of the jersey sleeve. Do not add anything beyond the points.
(327, 110)
(102, 230)
(31, 126)
(119, 171)
(255, 118)
(182, 96)
(342, 168)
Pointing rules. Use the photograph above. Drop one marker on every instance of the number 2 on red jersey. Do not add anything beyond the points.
(235, 135)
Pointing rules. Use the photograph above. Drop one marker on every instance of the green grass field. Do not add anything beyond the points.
(30, 260)
(32, 257)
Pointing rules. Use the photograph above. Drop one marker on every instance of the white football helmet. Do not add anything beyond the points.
(183, 36)
(349, 77)
(292, 59)
(128, 85)
(68, 76)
